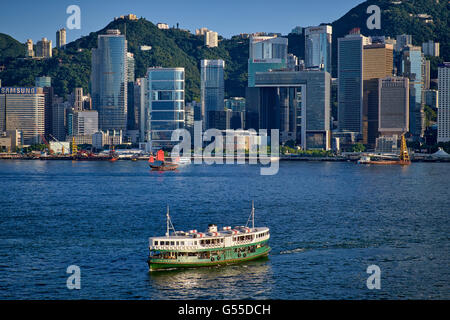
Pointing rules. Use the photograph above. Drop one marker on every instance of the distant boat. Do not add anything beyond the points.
(160, 164)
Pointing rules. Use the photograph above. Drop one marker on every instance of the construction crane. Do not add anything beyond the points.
(404, 155)
(74, 147)
(46, 143)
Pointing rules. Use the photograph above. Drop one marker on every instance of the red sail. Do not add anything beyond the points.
(151, 160)
(160, 155)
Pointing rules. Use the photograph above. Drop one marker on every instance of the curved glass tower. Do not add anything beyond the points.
(164, 105)
(109, 81)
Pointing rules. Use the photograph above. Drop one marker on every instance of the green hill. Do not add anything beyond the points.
(178, 48)
(10, 48)
(399, 17)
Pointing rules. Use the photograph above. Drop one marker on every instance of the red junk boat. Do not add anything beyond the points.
(159, 164)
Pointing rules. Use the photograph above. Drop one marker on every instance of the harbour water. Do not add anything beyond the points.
(329, 222)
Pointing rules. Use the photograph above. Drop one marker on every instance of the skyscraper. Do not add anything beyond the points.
(377, 63)
(109, 81)
(318, 47)
(350, 87)
(23, 109)
(265, 53)
(61, 38)
(164, 105)
(393, 116)
(131, 110)
(212, 87)
(444, 102)
(413, 66)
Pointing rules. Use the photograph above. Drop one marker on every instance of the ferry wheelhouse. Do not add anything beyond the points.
(179, 249)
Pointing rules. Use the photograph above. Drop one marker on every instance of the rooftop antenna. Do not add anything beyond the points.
(169, 223)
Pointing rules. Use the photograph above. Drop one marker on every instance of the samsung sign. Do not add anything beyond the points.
(28, 90)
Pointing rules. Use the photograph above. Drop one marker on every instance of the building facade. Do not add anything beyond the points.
(22, 109)
(444, 102)
(318, 47)
(413, 66)
(61, 38)
(393, 97)
(211, 39)
(109, 81)
(298, 104)
(266, 53)
(430, 48)
(164, 106)
(350, 86)
(44, 48)
(85, 122)
(212, 87)
(378, 63)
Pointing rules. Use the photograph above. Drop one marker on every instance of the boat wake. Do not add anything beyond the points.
(293, 251)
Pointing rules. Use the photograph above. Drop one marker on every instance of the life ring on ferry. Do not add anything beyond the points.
(244, 255)
(212, 258)
(239, 255)
(218, 258)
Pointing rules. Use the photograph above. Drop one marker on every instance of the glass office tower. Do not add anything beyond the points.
(413, 64)
(318, 47)
(164, 106)
(350, 87)
(266, 53)
(109, 81)
(212, 87)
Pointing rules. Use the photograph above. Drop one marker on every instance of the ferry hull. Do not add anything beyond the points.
(155, 265)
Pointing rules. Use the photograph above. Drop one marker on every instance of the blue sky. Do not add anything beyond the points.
(37, 19)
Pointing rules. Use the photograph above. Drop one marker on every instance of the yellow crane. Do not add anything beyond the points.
(74, 147)
(404, 155)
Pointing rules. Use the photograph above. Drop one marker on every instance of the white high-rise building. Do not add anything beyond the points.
(444, 102)
(211, 39)
(61, 38)
(44, 48)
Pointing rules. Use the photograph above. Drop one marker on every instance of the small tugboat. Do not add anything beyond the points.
(159, 164)
(179, 249)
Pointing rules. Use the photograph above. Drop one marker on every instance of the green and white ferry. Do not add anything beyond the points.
(192, 249)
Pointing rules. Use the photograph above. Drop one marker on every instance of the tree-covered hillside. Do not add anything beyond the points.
(178, 48)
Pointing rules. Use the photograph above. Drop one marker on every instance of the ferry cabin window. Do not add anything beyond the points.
(182, 243)
(178, 243)
(172, 243)
(155, 243)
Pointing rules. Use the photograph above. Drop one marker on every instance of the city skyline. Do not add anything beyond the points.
(189, 16)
